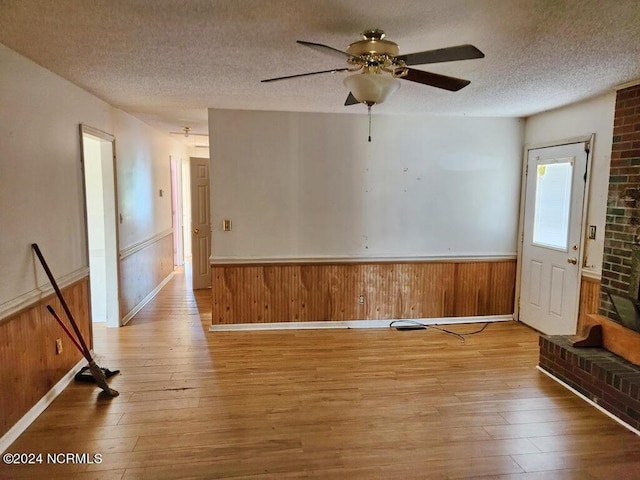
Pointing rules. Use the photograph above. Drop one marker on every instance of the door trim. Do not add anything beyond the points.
(587, 138)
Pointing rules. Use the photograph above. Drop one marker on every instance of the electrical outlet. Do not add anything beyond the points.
(592, 232)
(361, 299)
(58, 346)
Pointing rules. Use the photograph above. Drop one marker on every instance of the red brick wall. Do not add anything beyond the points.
(622, 232)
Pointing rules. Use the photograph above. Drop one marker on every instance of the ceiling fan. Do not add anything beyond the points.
(380, 65)
(186, 131)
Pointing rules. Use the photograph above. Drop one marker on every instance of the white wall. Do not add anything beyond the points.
(41, 189)
(143, 168)
(41, 194)
(305, 185)
(584, 118)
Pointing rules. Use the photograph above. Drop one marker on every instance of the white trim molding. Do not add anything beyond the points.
(632, 83)
(17, 304)
(592, 275)
(96, 132)
(28, 418)
(221, 261)
(136, 247)
(587, 137)
(235, 327)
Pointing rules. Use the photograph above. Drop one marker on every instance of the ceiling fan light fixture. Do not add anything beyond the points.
(371, 88)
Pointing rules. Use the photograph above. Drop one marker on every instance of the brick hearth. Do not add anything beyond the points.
(603, 377)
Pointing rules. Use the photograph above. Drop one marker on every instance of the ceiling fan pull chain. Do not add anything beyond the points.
(369, 109)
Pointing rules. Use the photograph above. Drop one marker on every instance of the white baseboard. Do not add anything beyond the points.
(234, 327)
(146, 299)
(589, 401)
(29, 417)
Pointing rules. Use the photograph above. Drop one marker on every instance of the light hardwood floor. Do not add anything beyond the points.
(321, 404)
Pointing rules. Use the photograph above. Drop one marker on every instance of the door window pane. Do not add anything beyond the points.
(553, 200)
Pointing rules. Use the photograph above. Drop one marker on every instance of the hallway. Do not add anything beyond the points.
(321, 404)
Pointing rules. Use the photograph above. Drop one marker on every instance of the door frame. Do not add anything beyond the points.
(588, 139)
(114, 262)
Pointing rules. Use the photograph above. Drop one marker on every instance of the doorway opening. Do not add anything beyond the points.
(176, 212)
(98, 162)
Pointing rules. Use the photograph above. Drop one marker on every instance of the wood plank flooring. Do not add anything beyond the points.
(321, 404)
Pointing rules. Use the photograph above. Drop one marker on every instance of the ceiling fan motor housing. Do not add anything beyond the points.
(373, 44)
(373, 47)
(374, 53)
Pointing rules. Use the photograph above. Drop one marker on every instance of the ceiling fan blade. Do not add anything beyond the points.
(351, 100)
(436, 80)
(449, 54)
(333, 70)
(189, 134)
(325, 49)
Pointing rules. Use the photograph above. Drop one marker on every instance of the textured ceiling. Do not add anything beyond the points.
(167, 61)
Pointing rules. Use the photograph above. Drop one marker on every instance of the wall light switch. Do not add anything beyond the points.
(592, 232)
(226, 225)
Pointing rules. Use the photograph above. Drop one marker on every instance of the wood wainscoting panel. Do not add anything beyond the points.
(143, 270)
(29, 364)
(620, 340)
(589, 299)
(270, 293)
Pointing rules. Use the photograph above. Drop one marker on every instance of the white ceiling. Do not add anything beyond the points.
(167, 61)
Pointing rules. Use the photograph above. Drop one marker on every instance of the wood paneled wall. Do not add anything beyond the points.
(589, 299)
(29, 365)
(143, 270)
(319, 292)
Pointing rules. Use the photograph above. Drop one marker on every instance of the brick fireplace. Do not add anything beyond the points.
(621, 265)
(604, 377)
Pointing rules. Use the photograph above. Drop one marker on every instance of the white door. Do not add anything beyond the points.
(551, 251)
(200, 223)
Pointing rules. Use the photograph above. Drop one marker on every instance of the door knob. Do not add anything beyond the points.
(196, 230)
(572, 260)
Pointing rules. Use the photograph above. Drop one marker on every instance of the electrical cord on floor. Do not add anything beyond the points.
(413, 324)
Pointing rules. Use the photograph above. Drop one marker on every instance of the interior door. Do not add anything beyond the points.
(200, 224)
(551, 251)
